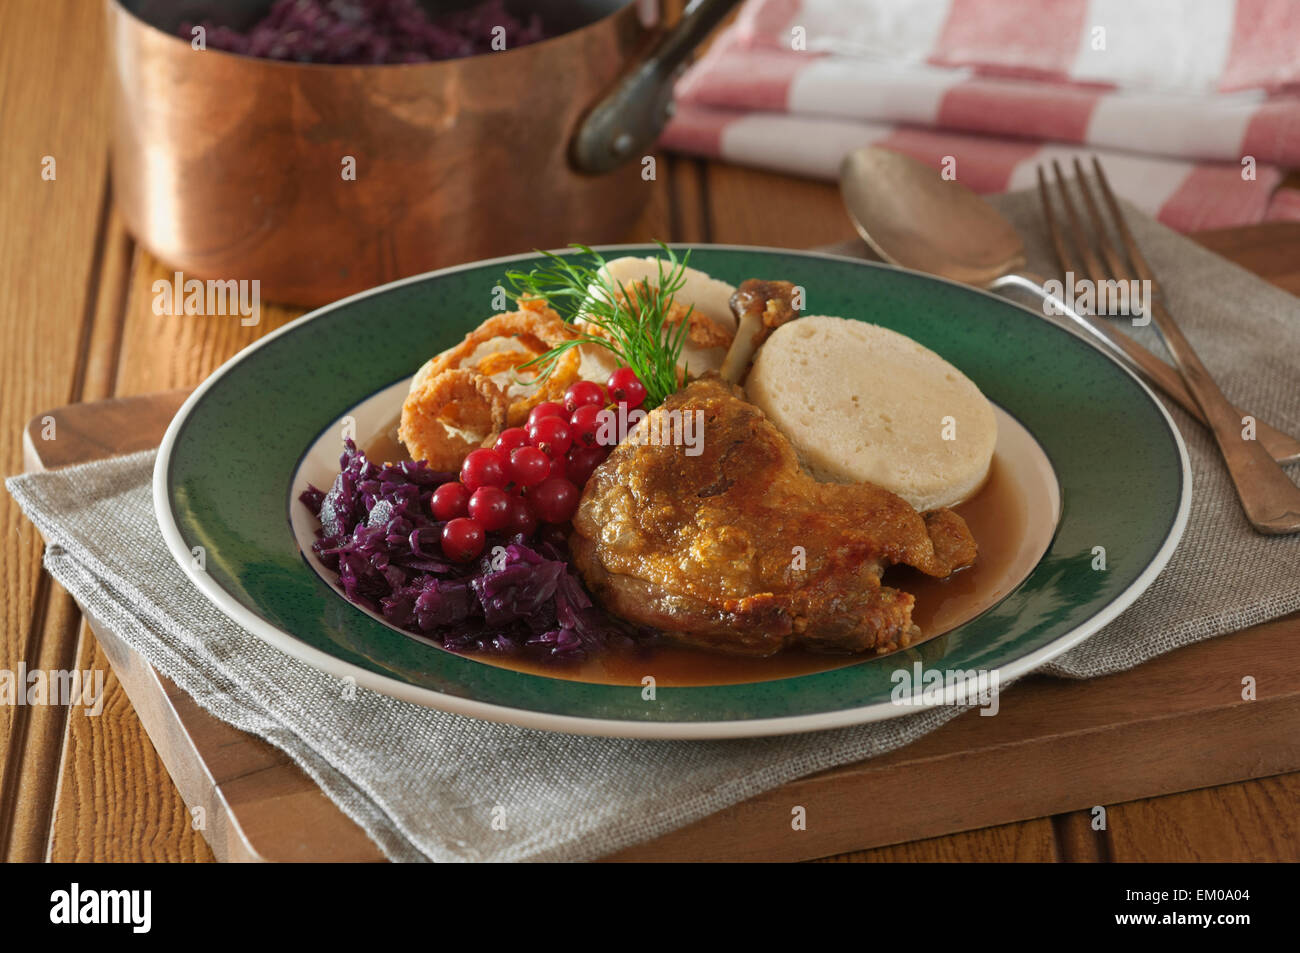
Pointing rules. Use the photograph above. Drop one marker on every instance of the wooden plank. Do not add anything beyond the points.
(1237, 823)
(129, 806)
(753, 207)
(118, 257)
(1269, 250)
(53, 648)
(689, 204)
(1078, 842)
(1025, 842)
(60, 633)
(55, 105)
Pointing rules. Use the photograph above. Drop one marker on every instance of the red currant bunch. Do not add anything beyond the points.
(534, 474)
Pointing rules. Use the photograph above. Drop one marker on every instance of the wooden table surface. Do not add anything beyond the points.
(76, 324)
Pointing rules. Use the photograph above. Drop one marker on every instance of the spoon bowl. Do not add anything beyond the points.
(912, 216)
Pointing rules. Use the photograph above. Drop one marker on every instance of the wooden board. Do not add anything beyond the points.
(1175, 724)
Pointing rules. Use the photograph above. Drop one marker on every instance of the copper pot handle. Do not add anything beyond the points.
(632, 114)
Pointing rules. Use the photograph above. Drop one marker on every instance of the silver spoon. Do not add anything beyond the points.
(913, 217)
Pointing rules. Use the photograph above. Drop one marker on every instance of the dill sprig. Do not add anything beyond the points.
(633, 318)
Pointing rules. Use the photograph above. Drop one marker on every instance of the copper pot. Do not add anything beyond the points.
(225, 166)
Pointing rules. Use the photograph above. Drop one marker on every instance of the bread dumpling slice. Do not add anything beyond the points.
(864, 404)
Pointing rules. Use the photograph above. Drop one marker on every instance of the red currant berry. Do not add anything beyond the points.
(551, 435)
(547, 408)
(510, 440)
(607, 428)
(559, 467)
(584, 423)
(583, 462)
(522, 518)
(449, 501)
(483, 468)
(462, 540)
(554, 500)
(626, 388)
(529, 466)
(584, 394)
(490, 506)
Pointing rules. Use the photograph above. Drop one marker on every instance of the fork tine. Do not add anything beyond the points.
(1117, 268)
(1090, 261)
(1130, 245)
(1053, 229)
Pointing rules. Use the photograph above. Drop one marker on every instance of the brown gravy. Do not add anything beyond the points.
(998, 518)
(385, 447)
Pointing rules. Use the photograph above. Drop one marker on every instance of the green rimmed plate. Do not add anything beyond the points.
(228, 465)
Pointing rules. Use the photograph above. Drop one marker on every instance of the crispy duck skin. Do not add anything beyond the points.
(739, 550)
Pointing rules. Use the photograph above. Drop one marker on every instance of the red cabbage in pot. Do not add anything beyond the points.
(369, 32)
(520, 598)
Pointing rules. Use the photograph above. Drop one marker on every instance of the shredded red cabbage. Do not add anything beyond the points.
(520, 598)
(369, 32)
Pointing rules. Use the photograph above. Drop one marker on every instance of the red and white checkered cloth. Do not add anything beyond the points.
(1183, 100)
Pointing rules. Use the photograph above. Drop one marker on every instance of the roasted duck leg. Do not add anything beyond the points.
(737, 549)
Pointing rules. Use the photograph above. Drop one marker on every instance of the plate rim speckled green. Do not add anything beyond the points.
(231, 581)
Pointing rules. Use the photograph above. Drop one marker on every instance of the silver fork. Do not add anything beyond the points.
(1271, 501)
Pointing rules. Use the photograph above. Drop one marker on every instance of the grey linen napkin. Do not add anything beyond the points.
(425, 784)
